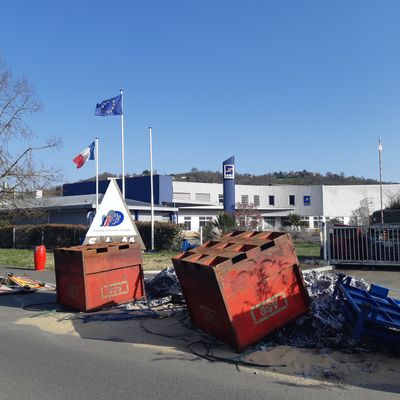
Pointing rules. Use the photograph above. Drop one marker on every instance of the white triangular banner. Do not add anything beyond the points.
(113, 222)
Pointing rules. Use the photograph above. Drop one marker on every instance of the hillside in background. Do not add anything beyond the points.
(273, 178)
(277, 178)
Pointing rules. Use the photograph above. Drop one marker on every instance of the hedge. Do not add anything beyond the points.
(167, 236)
(27, 236)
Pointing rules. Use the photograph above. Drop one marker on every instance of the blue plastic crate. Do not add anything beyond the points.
(369, 312)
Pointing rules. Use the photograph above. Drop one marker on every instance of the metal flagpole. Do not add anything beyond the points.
(151, 189)
(380, 176)
(122, 144)
(96, 143)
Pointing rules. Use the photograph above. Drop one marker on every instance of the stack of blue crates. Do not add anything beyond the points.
(369, 312)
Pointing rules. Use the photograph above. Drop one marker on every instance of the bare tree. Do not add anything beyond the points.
(19, 173)
(248, 217)
(360, 216)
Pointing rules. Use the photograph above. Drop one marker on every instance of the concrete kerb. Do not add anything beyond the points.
(320, 269)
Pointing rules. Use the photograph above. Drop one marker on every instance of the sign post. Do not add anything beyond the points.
(113, 222)
(228, 167)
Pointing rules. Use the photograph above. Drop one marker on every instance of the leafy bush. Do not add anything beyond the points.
(222, 224)
(293, 220)
(167, 236)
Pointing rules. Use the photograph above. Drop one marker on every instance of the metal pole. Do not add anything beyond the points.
(122, 144)
(380, 176)
(151, 188)
(325, 240)
(97, 173)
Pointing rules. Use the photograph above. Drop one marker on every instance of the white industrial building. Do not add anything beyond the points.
(200, 202)
(194, 204)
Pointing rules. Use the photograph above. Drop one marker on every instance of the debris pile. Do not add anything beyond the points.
(324, 325)
(163, 288)
(15, 284)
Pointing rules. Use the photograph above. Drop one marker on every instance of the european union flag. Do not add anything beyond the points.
(109, 107)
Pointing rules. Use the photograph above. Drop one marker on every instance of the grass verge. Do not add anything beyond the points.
(151, 261)
(307, 250)
(23, 258)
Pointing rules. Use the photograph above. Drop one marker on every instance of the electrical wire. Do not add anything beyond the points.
(30, 307)
(209, 356)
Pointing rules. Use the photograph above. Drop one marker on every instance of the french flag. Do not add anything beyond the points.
(84, 155)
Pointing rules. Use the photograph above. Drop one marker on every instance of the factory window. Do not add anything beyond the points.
(256, 200)
(245, 199)
(316, 222)
(203, 197)
(181, 196)
(220, 198)
(292, 200)
(271, 200)
(203, 221)
(187, 223)
(269, 222)
(306, 220)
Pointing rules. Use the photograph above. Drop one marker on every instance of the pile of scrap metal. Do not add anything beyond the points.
(370, 312)
(15, 284)
(324, 326)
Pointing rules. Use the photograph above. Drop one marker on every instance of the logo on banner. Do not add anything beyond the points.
(113, 218)
(229, 171)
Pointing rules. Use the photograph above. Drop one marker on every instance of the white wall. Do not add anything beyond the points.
(281, 194)
(326, 201)
(158, 216)
(195, 217)
(341, 201)
(214, 189)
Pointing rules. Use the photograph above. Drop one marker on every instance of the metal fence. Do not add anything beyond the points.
(364, 244)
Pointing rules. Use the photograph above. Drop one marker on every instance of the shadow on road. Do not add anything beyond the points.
(172, 337)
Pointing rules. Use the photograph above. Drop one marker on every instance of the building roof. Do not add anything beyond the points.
(87, 201)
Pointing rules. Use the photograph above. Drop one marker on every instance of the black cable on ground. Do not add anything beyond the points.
(213, 358)
(147, 330)
(29, 307)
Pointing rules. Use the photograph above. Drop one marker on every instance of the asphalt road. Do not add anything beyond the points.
(36, 364)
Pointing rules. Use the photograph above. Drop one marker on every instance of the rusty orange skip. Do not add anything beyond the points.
(243, 286)
(90, 277)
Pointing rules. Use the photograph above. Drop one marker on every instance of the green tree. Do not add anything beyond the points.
(222, 224)
(293, 220)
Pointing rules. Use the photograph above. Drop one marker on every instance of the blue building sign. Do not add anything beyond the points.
(229, 171)
(307, 200)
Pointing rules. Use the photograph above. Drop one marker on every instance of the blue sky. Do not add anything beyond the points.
(282, 85)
